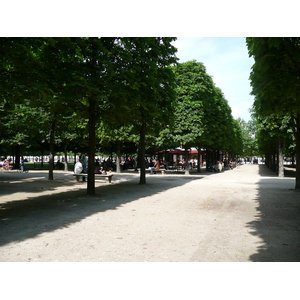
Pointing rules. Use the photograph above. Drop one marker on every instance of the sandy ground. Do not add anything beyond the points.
(241, 215)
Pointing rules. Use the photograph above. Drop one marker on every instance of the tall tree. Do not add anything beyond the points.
(195, 90)
(275, 81)
(101, 77)
(203, 116)
(249, 140)
(150, 87)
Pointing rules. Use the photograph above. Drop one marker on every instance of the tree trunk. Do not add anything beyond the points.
(269, 160)
(187, 167)
(198, 159)
(51, 155)
(18, 156)
(75, 154)
(66, 156)
(274, 151)
(142, 153)
(297, 185)
(208, 158)
(280, 157)
(42, 160)
(92, 146)
(118, 160)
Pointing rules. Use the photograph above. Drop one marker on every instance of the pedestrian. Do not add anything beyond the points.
(23, 167)
(83, 158)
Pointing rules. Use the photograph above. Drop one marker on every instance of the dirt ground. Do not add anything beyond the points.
(241, 215)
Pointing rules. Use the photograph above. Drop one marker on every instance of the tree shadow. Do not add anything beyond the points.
(289, 171)
(277, 221)
(23, 219)
(12, 182)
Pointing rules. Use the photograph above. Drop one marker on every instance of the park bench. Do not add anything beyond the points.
(163, 171)
(106, 176)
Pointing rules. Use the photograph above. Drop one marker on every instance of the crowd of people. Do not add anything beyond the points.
(106, 165)
(102, 166)
(5, 164)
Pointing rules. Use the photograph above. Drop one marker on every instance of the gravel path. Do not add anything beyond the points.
(240, 215)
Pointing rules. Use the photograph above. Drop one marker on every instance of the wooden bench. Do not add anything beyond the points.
(108, 176)
(163, 171)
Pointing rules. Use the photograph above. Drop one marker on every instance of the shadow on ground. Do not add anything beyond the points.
(278, 219)
(289, 171)
(14, 182)
(23, 219)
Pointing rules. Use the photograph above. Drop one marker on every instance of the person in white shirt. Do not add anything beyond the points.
(78, 167)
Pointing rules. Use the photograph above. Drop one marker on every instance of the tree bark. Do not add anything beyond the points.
(42, 160)
(92, 146)
(198, 159)
(280, 157)
(18, 156)
(118, 160)
(208, 158)
(51, 155)
(66, 156)
(187, 167)
(274, 151)
(142, 153)
(297, 184)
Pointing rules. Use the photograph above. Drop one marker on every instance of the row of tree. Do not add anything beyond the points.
(91, 93)
(275, 80)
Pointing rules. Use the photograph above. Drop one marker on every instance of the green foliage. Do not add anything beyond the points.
(202, 114)
(100, 92)
(275, 75)
(248, 138)
(194, 89)
(270, 128)
(275, 83)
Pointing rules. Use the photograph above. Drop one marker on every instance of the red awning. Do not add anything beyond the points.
(182, 152)
(193, 151)
(177, 152)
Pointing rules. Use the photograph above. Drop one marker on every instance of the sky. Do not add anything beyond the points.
(227, 62)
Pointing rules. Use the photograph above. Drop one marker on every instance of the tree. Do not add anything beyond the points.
(203, 116)
(274, 133)
(100, 77)
(40, 71)
(249, 140)
(195, 89)
(116, 138)
(275, 82)
(123, 77)
(149, 87)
